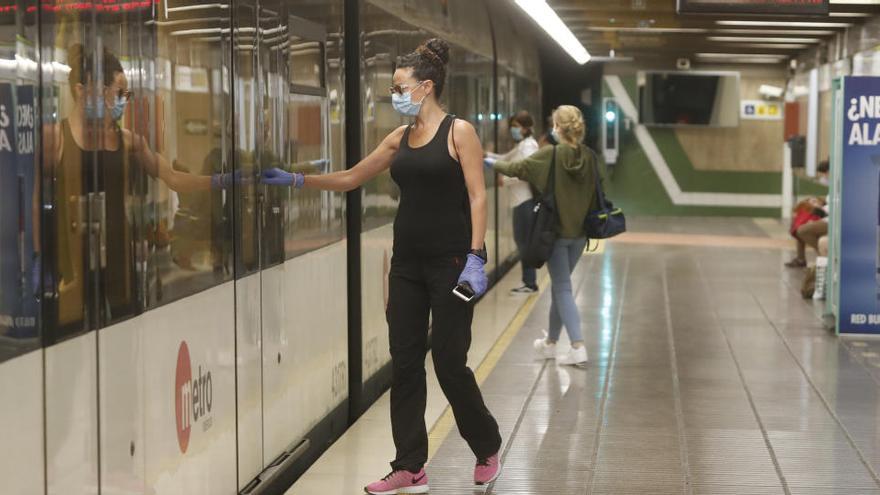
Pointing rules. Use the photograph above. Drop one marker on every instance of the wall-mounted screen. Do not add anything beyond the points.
(689, 98)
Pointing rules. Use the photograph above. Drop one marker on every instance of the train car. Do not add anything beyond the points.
(168, 324)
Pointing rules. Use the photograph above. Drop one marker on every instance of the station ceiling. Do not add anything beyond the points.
(651, 29)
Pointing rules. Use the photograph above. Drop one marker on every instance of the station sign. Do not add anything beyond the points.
(760, 110)
(776, 7)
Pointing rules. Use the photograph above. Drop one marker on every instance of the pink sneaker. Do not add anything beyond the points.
(401, 481)
(487, 470)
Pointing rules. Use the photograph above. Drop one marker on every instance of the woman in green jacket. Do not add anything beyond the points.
(575, 188)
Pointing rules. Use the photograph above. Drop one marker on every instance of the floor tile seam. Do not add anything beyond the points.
(511, 439)
(612, 359)
(757, 416)
(819, 393)
(676, 385)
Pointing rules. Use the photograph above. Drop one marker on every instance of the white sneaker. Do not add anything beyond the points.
(525, 289)
(577, 357)
(544, 350)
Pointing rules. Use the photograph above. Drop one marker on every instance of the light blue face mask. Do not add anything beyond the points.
(404, 105)
(555, 136)
(118, 108)
(516, 133)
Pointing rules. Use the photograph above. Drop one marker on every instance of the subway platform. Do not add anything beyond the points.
(708, 374)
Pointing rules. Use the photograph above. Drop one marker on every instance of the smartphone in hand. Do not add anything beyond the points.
(464, 292)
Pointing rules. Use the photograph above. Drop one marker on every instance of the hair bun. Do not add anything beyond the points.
(438, 48)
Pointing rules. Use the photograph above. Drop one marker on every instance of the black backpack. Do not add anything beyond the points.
(542, 232)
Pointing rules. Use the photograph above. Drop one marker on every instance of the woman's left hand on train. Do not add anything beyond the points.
(277, 177)
(475, 275)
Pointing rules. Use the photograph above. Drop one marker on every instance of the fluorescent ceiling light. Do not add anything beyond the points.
(848, 14)
(785, 24)
(774, 56)
(758, 39)
(787, 32)
(608, 29)
(544, 15)
(745, 61)
(855, 2)
(775, 46)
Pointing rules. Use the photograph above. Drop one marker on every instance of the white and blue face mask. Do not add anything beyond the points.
(516, 134)
(555, 135)
(402, 102)
(118, 108)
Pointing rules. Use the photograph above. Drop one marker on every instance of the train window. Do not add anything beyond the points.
(185, 224)
(19, 189)
(136, 126)
(312, 218)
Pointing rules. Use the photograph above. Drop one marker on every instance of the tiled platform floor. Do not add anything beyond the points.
(709, 375)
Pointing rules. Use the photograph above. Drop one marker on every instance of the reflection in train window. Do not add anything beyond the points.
(313, 219)
(306, 63)
(187, 224)
(137, 178)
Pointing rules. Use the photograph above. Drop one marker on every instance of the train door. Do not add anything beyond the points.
(73, 209)
(292, 253)
(303, 261)
(136, 241)
(249, 338)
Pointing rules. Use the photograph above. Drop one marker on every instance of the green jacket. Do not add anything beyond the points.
(576, 170)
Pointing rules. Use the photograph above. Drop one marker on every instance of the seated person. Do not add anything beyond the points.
(810, 223)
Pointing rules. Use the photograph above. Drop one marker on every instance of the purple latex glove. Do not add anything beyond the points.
(474, 275)
(277, 177)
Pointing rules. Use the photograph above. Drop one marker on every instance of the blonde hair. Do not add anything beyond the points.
(570, 122)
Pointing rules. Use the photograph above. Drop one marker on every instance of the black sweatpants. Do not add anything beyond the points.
(417, 287)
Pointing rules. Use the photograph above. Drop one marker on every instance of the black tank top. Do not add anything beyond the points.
(105, 174)
(433, 218)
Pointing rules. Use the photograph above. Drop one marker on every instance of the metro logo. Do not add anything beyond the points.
(192, 401)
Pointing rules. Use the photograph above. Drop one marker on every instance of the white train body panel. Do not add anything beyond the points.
(72, 416)
(189, 394)
(122, 393)
(21, 424)
(250, 375)
(305, 353)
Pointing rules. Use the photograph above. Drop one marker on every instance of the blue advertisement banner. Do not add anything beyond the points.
(859, 307)
(18, 303)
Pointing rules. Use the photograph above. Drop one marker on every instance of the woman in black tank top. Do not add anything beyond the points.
(439, 236)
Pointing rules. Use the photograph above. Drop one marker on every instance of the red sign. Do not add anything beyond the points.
(183, 397)
(778, 7)
(193, 397)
